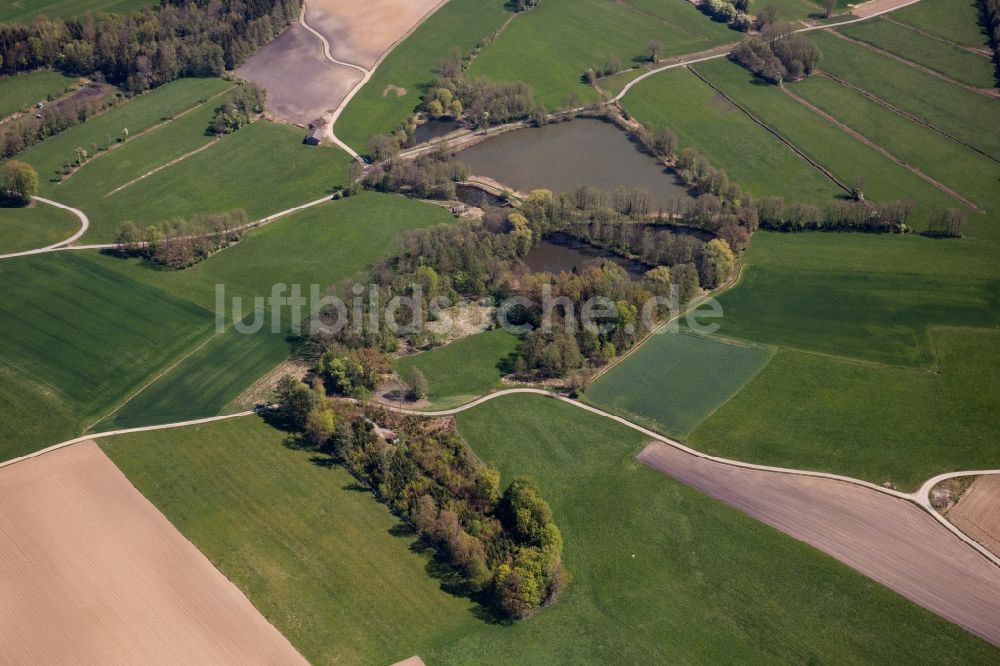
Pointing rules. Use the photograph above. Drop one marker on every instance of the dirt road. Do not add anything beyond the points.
(893, 542)
(92, 573)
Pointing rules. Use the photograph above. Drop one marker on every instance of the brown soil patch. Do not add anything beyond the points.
(978, 512)
(887, 539)
(302, 83)
(360, 31)
(866, 9)
(393, 89)
(92, 573)
(721, 103)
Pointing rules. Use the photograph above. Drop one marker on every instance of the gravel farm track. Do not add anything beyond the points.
(892, 537)
(77, 567)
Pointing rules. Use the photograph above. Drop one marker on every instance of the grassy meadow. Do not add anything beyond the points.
(24, 90)
(23, 11)
(135, 115)
(464, 369)
(551, 45)
(321, 245)
(961, 113)
(677, 379)
(659, 571)
(870, 421)
(707, 122)
(956, 21)
(36, 226)
(847, 157)
(971, 68)
(377, 108)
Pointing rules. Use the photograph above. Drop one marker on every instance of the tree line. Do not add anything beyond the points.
(991, 21)
(181, 243)
(26, 131)
(150, 47)
(505, 547)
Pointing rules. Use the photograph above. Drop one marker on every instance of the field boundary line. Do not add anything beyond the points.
(658, 19)
(912, 118)
(795, 149)
(169, 164)
(991, 93)
(879, 149)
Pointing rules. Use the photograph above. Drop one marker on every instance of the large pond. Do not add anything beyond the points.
(562, 156)
(561, 252)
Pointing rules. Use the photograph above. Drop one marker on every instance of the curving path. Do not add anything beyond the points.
(892, 537)
(61, 245)
(885, 8)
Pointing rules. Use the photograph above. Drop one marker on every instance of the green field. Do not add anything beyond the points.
(847, 157)
(658, 569)
(964, 114)
(264, 168)
(550, 46)
(871, 422)
(704, 120)
(84, 336)
(459, 23)
(321, 245)
(464, 369)
(957, 21)
(23, 11)
(676, 380)
(136, 115)
(969, 173)
(877, 305)
(952, 61)
(38, 226)
(24, 90)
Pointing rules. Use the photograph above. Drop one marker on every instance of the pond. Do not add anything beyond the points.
(433, 129)
(562, 156)
(561, 252)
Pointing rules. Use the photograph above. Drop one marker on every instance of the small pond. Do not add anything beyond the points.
(562, 156)
(561, 252)
(432, 129)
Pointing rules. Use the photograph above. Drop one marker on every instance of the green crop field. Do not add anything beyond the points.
(264, 168)
(957, 21)
(100, 177)
(83, 336)
(848, 158)
(948, 59)
(871, 422)
(967, 172)
(377, 109)
(321, 245)
(37, 226)
(135, 115)
(658, 570)
(961, 113)
(676, 380)
(550, 46)
(23, 11)
(24, 90)
(706, 121)
(877, 305)
(465, 369)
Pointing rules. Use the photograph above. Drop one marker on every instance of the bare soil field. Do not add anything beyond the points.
(978, 512)
(92, 573)
(303, 84)
(873, 7)
(360, 31)
(887, 539)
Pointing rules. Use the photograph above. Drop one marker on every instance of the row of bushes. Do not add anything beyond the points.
(734, 14)
(181, 243)
(24, 132)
